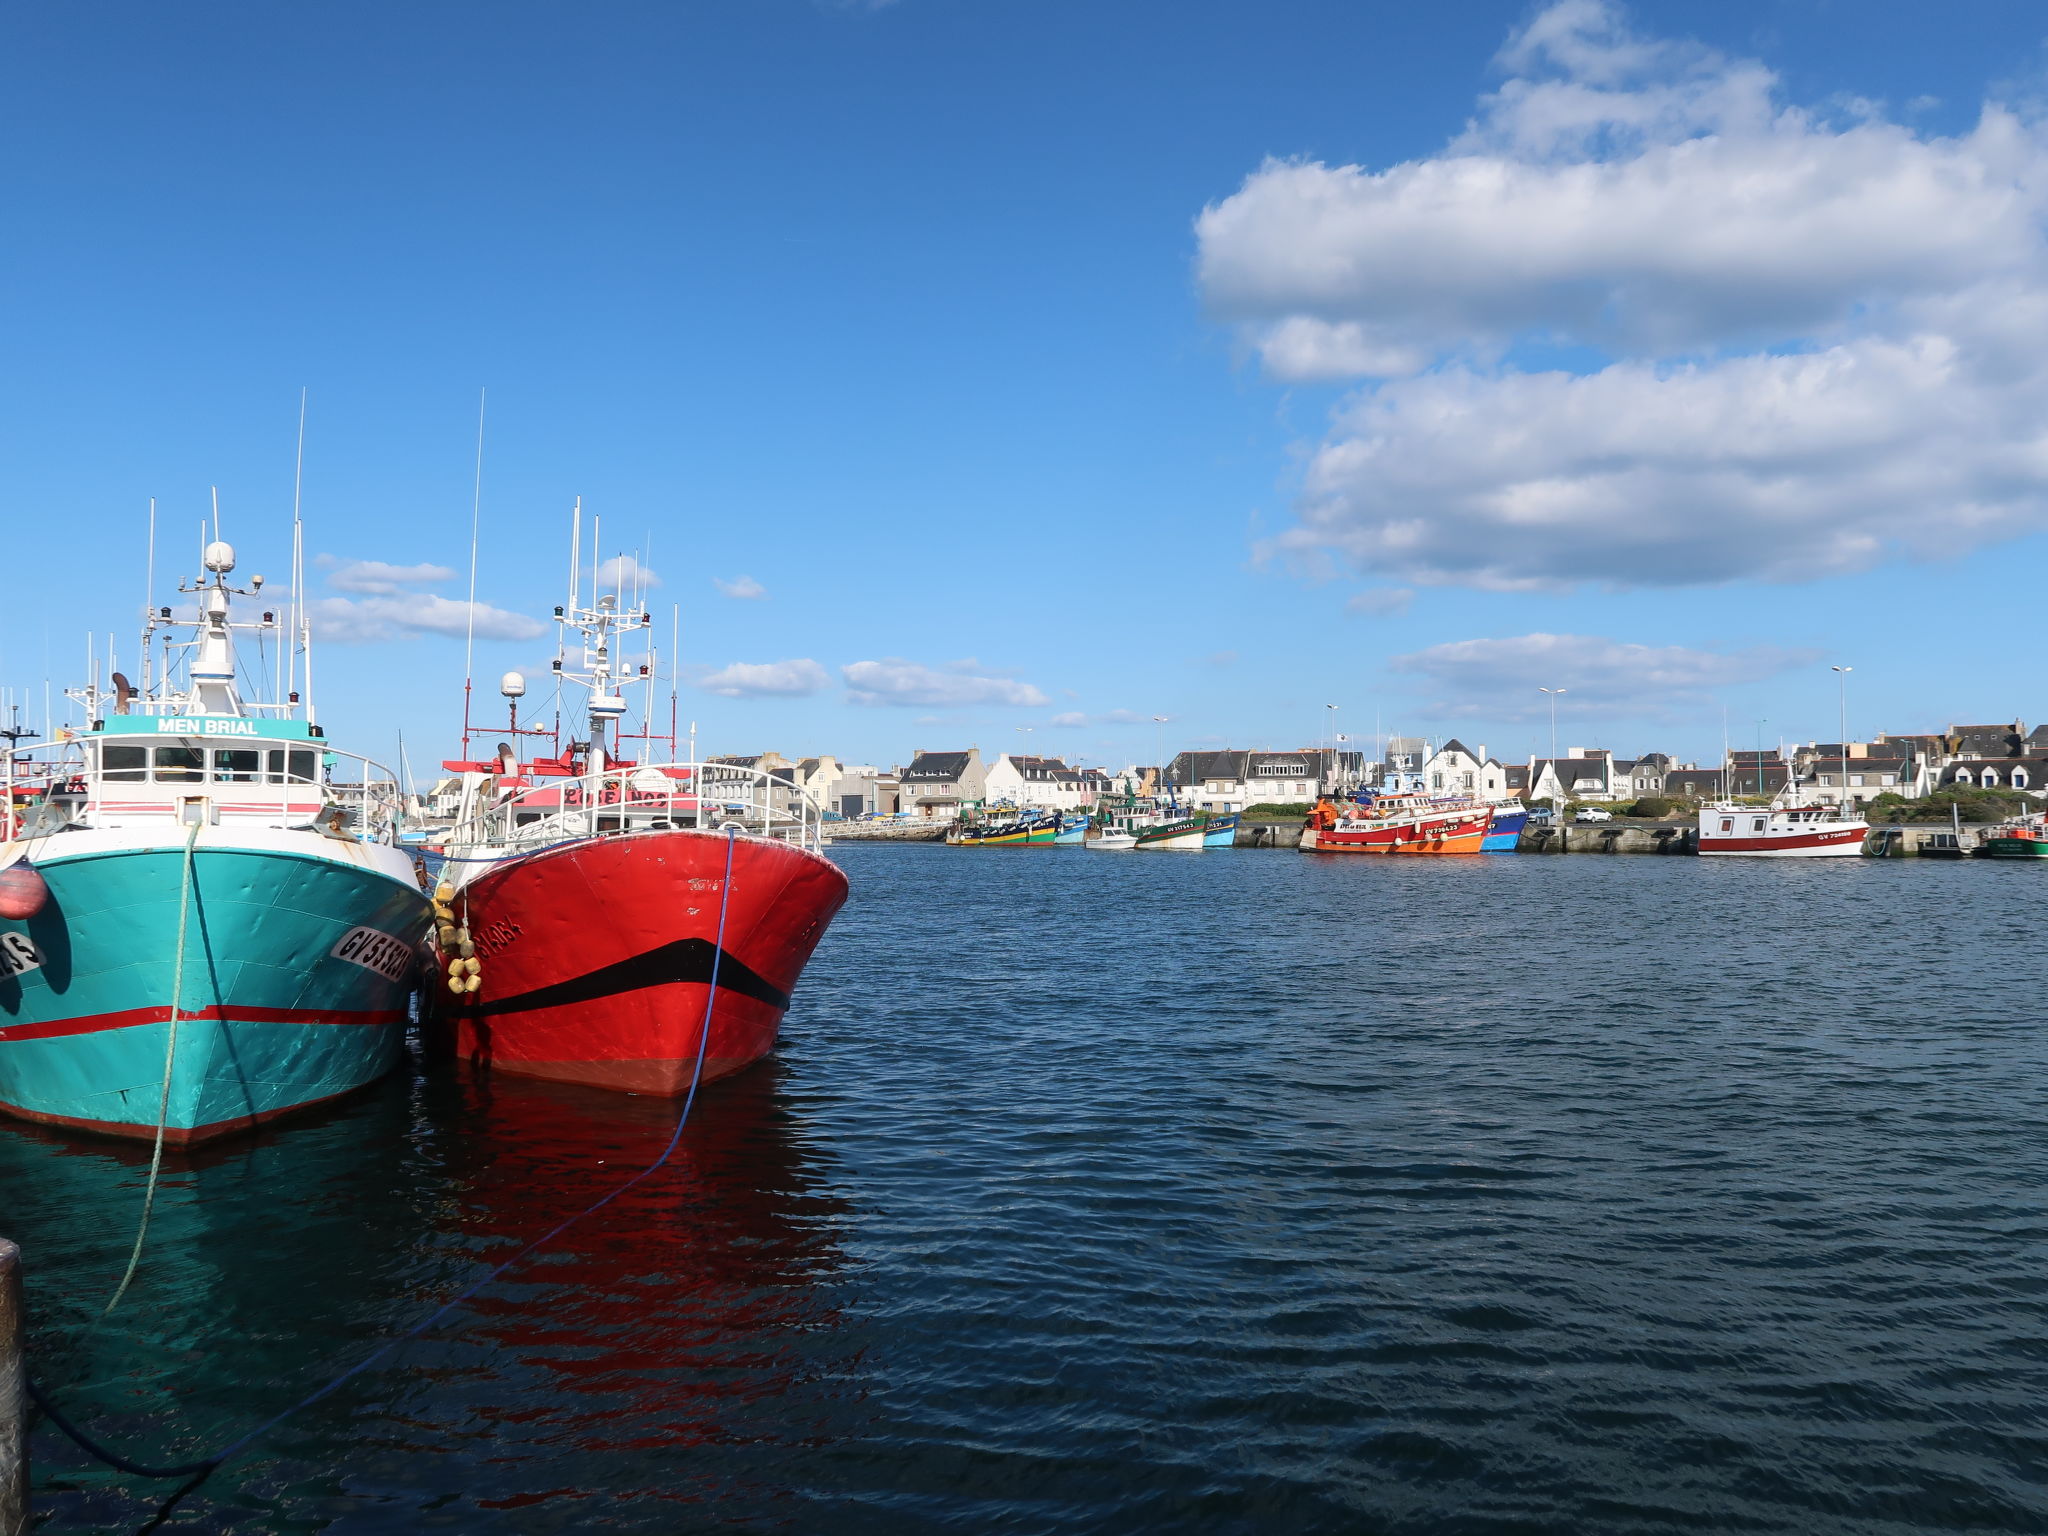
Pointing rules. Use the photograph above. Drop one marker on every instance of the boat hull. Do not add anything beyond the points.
(297, 974)
(1221, 832)
(2016, 847)
(595, 958)
(1504, 833)
(1019, 837)
(1461, 832)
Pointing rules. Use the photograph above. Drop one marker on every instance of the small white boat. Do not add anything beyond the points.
(1112, 842)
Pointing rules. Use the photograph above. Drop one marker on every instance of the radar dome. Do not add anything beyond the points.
(512, 685)
(220, 556)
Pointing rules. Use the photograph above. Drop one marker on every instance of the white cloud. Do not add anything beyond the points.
(1381, 603)
(767, 679)
(896, 681)
(363, 620)
(624, 573)
(1108, 717)
(378, 578)
(743, 587)
(1817, 341)
(1499, 679)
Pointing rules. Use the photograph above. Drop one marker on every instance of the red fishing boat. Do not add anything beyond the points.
(625, 924)
(1397, 823)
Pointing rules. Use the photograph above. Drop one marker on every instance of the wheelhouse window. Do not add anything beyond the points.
(179, 765)
(1757, 824)
(237, 765)
(124, 765)
(282, 767)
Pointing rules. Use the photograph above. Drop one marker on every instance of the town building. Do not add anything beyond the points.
(1043, 782)
(1233, 779)
(937, 784)
(1454, 769)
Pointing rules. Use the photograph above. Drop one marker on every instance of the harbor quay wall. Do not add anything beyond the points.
(886, 831)
(13, 1406)
(1666, 838)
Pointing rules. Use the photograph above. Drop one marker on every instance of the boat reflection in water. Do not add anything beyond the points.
(694, 1310)
(658, 1319)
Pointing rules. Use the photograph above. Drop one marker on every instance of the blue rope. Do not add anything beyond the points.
(122, 1463)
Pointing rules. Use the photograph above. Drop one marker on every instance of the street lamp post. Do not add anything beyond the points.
(1842, 677)
(1330, 741)
(1760, 755)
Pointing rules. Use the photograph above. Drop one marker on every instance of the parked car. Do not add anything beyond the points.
(1587, 813)
(1542, 816)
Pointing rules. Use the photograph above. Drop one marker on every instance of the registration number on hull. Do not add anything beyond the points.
(375, 950)
(19, 955)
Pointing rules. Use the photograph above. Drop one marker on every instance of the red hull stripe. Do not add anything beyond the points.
(684, 960)
(128, 1018)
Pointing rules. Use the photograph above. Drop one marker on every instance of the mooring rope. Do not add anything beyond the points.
(163, 1109)
(205, 1468)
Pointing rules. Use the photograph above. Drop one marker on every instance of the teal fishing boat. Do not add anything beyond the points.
(205, 919)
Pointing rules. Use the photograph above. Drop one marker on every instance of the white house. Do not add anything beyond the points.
(1456, 769)
(1232, 780)
(1045, 782)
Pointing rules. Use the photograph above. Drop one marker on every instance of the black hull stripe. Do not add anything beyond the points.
(684, 960)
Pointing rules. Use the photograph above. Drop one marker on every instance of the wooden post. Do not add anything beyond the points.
(13, 1407)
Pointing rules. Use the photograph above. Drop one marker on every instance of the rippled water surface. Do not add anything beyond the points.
(1231, 1192)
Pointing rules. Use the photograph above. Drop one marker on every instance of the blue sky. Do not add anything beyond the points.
(1056, 366)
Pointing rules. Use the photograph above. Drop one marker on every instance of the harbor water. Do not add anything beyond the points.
(1235, 1192)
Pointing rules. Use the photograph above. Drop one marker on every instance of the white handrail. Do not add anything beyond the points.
(535, 812)
(67, 775)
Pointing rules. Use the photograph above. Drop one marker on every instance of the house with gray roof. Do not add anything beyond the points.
(938, 784)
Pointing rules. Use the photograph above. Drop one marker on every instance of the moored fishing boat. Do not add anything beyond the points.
(205, 921)
(1402, 823)
(1073, 830)
(1221, 831)
(1504, 831)
(629, 925)
(1172, 833)
(1016, 830)
(1781, 831)
(2024, 837)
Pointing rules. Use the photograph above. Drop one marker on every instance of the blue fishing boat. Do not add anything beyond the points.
(1221, 831)
(1073, 829)
(1504, 835)
(205, 919)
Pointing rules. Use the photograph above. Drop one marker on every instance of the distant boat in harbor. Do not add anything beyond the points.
(1504, 833)
(2023, 838)
(1781, 832)
(1401, 823)
(1175, 833)
(1017, 831)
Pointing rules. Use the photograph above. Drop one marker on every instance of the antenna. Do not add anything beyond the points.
(476, 506)
(216, 514)
(148, 596)
(298, 608)
(576, 554)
